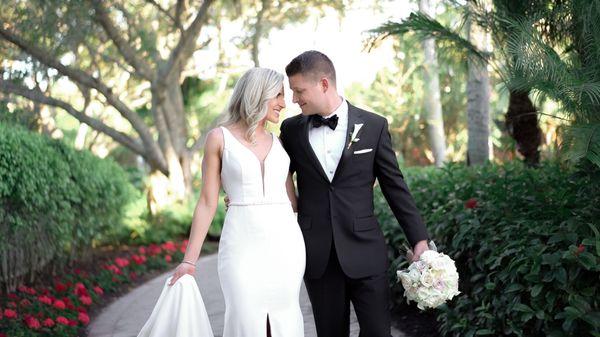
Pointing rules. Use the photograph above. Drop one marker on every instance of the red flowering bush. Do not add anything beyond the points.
(61, 307)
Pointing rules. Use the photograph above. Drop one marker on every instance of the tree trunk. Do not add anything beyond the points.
(479, 147)
(522, 125)
(258, 31)
(169, 115)
(433, 103)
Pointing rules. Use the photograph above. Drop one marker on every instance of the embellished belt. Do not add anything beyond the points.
(260, 202)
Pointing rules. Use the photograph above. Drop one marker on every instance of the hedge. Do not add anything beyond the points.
(526, 242)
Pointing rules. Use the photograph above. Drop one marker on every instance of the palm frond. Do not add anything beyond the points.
(425, 27)
(582, 141)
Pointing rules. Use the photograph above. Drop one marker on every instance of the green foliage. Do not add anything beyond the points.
(143, 228)
(528, 253)
(545, 46)
(55, 202)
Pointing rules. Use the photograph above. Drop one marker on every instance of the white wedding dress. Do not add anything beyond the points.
(179, 312)
(262, 255)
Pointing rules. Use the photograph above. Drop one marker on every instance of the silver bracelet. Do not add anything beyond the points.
(188, 262)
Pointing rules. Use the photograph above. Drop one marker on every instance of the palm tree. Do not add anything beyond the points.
(433, 103)
(548, 47)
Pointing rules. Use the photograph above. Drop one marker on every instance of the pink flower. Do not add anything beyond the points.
(80, 289)
(45, 299)
(27, 290)
(72, 322)
(25, 302)
(142, 250)
(83, 318)
(168, 258)
(48, 322)
(98, 290)
(471, 203)
(85, 300)
(32, 322)
(9, 313)
(114, 269)
(121, 262)
(58, 304)
(62, 320)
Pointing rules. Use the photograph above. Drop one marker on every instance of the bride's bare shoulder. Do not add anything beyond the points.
(214, 139)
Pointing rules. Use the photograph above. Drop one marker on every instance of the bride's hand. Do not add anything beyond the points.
(182, 269)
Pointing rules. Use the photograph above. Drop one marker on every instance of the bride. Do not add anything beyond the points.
(261, 256)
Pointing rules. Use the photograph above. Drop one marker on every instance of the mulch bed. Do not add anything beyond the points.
(414, 322)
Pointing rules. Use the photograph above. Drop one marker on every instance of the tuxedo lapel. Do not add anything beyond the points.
(346, 159)
(310, 153)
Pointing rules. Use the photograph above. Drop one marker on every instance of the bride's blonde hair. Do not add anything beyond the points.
(251, 93)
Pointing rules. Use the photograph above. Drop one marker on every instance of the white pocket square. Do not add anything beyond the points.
(363, 151)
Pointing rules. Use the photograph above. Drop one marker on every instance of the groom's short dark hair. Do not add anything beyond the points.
(312, 63)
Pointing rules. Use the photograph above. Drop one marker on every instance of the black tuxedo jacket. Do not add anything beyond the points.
(342, 210)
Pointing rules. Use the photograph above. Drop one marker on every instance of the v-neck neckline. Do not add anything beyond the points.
(261, 163)
(252, 152)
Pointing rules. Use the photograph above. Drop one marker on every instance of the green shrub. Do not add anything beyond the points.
(528, 252)
(55, 202)
(171, 224)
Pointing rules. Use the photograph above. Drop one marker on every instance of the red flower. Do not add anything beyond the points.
(72, 322)
(25, 302)
(81, 309)
(11, 304)
(48, 322)
(154, 249)
(132, 275)
(83, 318)
(138, 259)
(580, 249)
(471, 203)
(2, 334)
(114, 269)
(168, 258)
(169, 246)
(142, 250)
(85, 300)
(98, 290)
(32, 322)
(9, 313)
(45, 299)
(62, 320)
(121, 262)
(27, 290)
(13, 296)
(80, 289)
(60, 287)
(58, 304)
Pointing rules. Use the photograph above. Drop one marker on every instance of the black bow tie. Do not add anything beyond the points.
(318, 121)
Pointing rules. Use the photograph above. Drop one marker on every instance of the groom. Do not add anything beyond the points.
(337, 150)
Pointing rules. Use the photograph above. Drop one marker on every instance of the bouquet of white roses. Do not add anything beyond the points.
(430, 281)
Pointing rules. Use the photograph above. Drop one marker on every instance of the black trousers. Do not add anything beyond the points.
(330, 297)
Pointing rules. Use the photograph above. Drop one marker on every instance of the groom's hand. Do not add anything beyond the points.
(418, 249)
(226, 200)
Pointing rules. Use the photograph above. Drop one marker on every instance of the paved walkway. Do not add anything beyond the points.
(126, 316)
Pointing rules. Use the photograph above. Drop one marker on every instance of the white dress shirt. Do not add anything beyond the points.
(329, 144)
